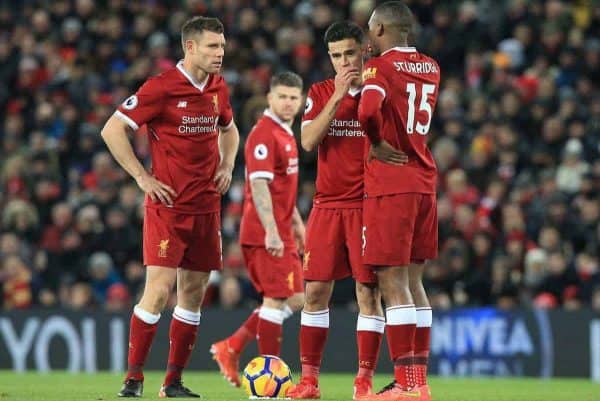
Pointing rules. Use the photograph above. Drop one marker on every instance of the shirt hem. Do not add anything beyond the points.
(355, 204)
(182, 211)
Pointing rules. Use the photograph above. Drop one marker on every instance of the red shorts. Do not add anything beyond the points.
(274, 277)
(333, 246)
(400, 229)
(189, 241)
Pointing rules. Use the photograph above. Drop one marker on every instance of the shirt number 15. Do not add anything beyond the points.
(426, 90)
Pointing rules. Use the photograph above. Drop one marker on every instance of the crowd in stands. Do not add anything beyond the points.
(516, 136)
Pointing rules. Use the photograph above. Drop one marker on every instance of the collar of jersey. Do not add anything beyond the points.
(354, 92)
(401, 49)
(198, 85)
(279, 121)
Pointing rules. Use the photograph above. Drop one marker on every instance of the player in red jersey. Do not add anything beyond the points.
(190, 123)
(272, 231)
(400, 214)
(333, 241)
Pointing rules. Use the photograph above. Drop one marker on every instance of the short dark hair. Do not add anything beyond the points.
(397, 15)
(197, 25)
(287, 78)
(343, 30)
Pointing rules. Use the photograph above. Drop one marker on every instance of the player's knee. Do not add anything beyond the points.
(415, 283)
(296, 302)
(369, 300)
(192, 286)
(317, 298)
(155, 298)
(191, 296)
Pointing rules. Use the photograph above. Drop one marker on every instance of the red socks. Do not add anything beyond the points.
(421, 347)
(142, 329)
(401, 326)
(182, 336)
(313, 335)
(269, 331)
(246, 333)
(369, 330)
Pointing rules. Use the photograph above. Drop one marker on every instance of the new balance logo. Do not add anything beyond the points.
(182, 104)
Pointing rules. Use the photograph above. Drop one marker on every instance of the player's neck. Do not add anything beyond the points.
(393, 43)
(197, 73)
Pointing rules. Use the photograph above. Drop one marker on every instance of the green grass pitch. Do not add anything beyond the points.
(334, 387)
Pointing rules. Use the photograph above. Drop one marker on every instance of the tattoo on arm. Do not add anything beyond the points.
(263, 203)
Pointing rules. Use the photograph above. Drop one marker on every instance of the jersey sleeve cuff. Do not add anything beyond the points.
(374, 87)
(127, 119)
(305, 122)
(261, 174)
(226, 126)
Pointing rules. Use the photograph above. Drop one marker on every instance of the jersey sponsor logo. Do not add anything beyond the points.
(369, 73)
(292, 166)
(344, 128)
(198, 124)
(261, 151)
(163, 248)
(309, 105)
(215, 100)
(130, 103)
(182, 104)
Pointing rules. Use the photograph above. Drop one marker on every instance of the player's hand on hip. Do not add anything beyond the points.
(156, 190)
(386, 153)
(344, 79)
(223, 177)
(274, 244)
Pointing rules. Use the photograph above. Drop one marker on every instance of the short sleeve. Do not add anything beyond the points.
(260, 154)
(225, 111)
(374, 78)
(313, 105)
(142, 107)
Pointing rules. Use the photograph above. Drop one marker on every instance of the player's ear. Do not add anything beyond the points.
(380, 30)
(190, 46)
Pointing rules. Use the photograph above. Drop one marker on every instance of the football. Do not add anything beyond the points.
(266, 376)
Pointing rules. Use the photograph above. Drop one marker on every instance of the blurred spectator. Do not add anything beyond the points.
(117, 298)
(102, 275)
(15, 277)
(230, 293)
(79, 296)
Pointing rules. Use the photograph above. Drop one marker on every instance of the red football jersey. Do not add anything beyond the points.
(409, 82)
(183, 117)
(270, 152)
(340, 163)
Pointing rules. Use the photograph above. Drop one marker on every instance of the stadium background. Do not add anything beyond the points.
(516, 136)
